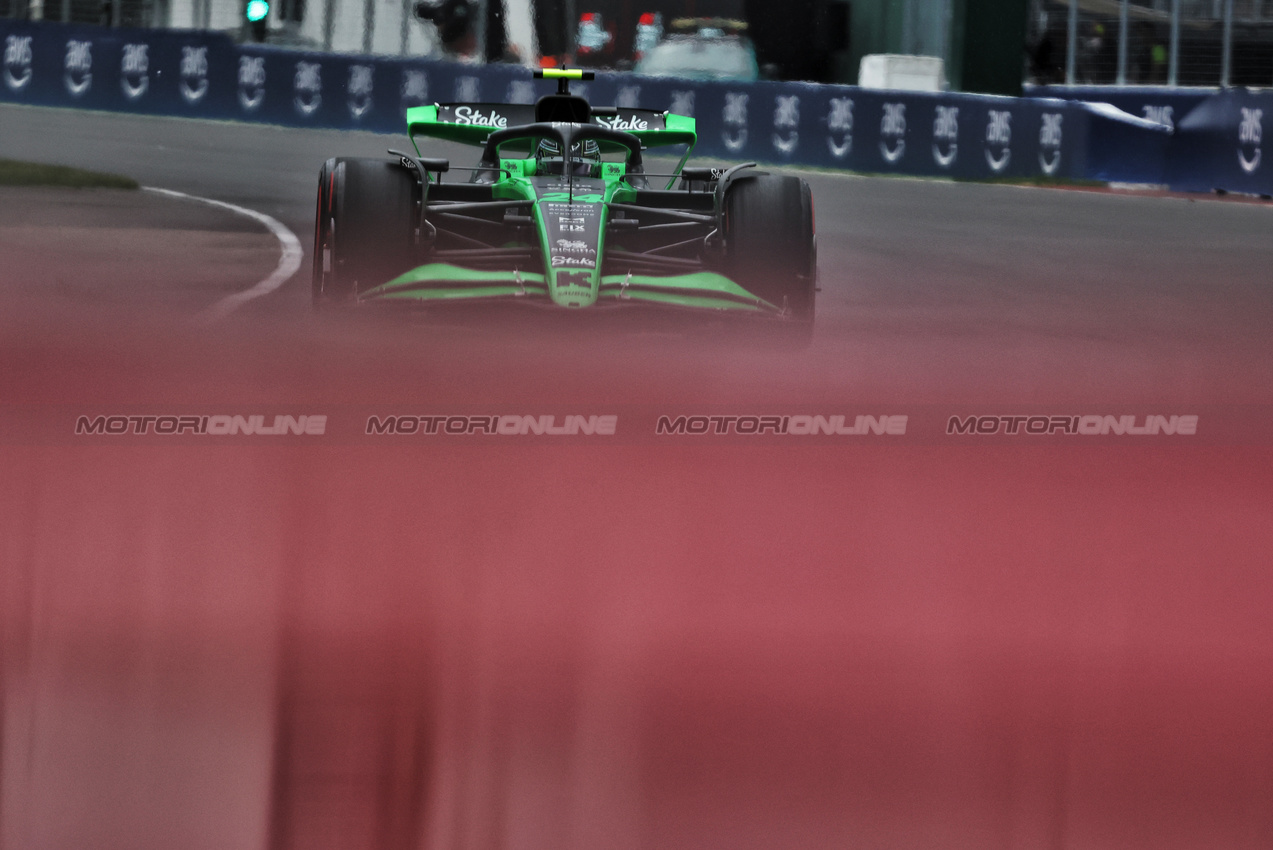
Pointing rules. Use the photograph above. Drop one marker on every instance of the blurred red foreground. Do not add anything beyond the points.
(561, 647)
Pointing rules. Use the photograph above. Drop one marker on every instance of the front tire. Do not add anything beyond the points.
(364, 231)
(770, 245)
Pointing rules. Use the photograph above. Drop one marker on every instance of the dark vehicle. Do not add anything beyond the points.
(560, 211)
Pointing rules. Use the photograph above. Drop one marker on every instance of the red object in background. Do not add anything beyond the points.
(548, 61)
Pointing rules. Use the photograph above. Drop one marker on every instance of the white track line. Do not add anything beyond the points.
(288, 263)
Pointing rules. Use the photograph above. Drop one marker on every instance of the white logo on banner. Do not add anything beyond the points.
(79, 64)
(1159, 115)
(683, 103)
(629, 97)
(946, 133)
(307, 87)
(359, 89)
(1050, 142)
(194, 73)
(251, 81)
(415, 88)
(1250, 135)
(735, 117)
(133, 67)
(999, 139)
(893, 129)
(17, 61)
(786, 117)
(468, 89)
(521, 91)
(840, 123)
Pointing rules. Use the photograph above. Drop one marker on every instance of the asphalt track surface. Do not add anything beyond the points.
(924, 643)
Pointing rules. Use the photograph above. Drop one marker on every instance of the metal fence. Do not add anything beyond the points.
(385, 27)
(1151, 42)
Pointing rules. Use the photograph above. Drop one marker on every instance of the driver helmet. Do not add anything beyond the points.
(585, 158)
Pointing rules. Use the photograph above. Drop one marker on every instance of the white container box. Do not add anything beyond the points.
(901, 73)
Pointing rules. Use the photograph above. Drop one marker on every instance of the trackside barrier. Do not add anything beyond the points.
(207, 75)
(1218, 133)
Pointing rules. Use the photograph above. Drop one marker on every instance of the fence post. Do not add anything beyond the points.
(1226, 63)
(1072, 42)
(1122, 43)
(368, 24)
(329, 25)
(1173, 61)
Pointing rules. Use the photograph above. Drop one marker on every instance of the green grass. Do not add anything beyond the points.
(15, 173)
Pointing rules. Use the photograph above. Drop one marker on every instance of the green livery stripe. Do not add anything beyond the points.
(702, 289)
(443, 280)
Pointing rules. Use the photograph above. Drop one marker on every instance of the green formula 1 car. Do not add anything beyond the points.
(559, 210)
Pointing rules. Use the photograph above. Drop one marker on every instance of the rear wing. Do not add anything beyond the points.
(473, 123)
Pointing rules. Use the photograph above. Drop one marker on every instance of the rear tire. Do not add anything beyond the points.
(364, 232)
(771, 248)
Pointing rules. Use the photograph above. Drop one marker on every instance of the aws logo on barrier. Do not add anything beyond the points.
(999, 139)
(1050, 142)
(194, 73)
(946, 135)
(415, 88)
(893, 132)
(682, 103)
(359, 90)
(251, 82)
(786, 122)
(17, 61)
(734, 116)
(307, 87)
(1250, 136)
(134, 68)
(78, 67)
(840, 126)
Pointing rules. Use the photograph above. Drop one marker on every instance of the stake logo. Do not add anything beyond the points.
(134, 66)
(251, 81)
(307, 87)
(559, 260)
(999, 139)
(1250, 135)
(946, 134)
(1050, 142)
(17, 61)
(359, 90)
(78, 66)
(468, 115)
(734, 117)
(415, 89)
(194, 73)
(624, 124)
(840, 126)
(786, 118)
(893, 132)
(682, 103)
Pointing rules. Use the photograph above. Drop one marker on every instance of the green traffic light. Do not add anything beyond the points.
(257, 10)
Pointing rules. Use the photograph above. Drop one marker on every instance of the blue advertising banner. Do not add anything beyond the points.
(1187, 139)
